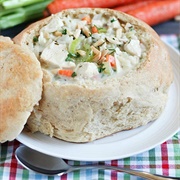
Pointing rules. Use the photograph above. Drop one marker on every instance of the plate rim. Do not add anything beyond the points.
(95, 158)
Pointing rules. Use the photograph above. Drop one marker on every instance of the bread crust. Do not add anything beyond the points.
(83, 112)
(21, 87)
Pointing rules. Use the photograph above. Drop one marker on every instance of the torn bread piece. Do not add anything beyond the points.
(20, 87)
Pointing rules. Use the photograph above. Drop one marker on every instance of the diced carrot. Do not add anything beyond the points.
(111, 59)
(94, 29)
(65, 72)
(87, 19)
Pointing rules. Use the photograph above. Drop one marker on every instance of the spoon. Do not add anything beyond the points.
(49, 165)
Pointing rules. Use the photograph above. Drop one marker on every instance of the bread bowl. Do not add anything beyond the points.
(104, 72)
(20, 87)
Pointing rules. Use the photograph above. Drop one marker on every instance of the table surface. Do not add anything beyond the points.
(163, 159)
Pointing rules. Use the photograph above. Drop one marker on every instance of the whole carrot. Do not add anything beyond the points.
(132, 6)
(157, 12)
(58, 5)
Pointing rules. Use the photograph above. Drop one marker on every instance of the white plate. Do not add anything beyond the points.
(122, 144)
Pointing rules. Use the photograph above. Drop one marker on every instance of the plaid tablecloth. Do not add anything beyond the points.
(163, 159)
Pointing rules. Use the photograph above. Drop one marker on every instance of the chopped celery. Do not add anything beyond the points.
(107, 68)
(88, 57)
(102, 30)
(74, 56)
(74, 45)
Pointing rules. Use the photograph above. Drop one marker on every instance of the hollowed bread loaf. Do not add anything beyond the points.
(104, 72)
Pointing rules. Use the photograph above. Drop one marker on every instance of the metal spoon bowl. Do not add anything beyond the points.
(49, 165)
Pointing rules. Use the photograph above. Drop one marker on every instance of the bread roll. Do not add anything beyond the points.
(20, 87)
(104, 72)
